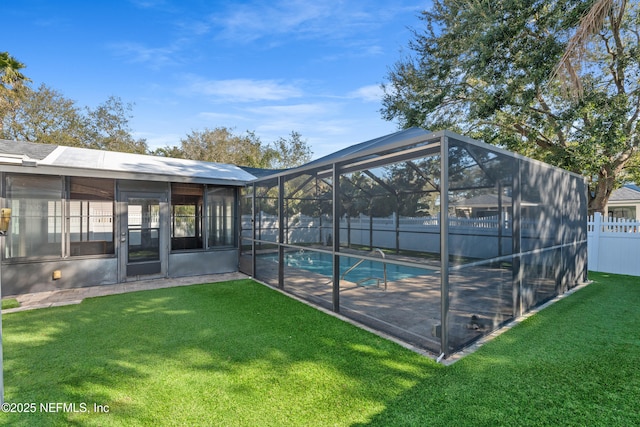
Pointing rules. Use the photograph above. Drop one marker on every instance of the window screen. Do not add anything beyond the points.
(221, 217)
(36, 216)
(186, 216)
(90, 213)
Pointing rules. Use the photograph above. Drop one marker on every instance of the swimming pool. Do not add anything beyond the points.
(322, 263)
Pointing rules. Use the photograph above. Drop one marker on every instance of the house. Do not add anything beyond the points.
(84, 217)
(625, 202)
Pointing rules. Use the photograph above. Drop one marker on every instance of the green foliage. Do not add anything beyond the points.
(109, 125)
(486, 69)
(632, 171)
(46, 116)
(221, 145)
(10, 74)
(11, 84)
(289, 152)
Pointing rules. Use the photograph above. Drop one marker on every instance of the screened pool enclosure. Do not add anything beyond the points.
(360, 232)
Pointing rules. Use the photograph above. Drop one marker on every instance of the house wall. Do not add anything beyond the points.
(198, 263)
(37, 276)
(615, 209)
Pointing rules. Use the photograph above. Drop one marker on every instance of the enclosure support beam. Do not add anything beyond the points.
(336, 238)
(444, 246)
(516, 233)
(396, 223)
(281, 222)
(254, 233)
(370, 226)
(500, 219)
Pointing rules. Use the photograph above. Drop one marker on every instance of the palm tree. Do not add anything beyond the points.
(11, 81)
(590, 25)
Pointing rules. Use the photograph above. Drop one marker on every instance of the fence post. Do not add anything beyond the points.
(594, 242)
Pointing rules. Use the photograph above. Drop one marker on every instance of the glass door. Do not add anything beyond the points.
(142, 235)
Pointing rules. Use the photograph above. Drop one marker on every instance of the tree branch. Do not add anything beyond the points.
(553, 119)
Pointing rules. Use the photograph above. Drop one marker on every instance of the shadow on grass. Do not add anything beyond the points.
(575, 363)
(234, 353)
(239, 353)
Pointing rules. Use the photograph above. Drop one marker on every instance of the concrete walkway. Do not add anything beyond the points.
(60, 297)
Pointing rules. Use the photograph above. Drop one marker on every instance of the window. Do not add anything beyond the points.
(90, 216)
(627, 212)
(36, 216)
(221, 217)
(186, 216)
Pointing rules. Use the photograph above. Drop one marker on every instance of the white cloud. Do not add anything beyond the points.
(327, 20)
(138, 53)
(371, 93)
(293, 110)
(252, 21)
(159, 140)
(244, 90)
(221, 116)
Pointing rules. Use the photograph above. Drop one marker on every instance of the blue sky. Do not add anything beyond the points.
(269, 66)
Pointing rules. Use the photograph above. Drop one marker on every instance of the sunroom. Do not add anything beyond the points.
(83, 217)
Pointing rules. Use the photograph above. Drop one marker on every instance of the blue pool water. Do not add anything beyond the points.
(322, 263)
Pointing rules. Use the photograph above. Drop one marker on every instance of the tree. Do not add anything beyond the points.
(488, 69)
(168, 151)
(46, 116)
(220, 145)
(11, 83)
(632, 171)
(575, 53)
(110, 128)
(289, 152)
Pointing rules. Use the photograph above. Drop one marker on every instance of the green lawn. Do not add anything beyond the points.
(10, 303)
(241, 354)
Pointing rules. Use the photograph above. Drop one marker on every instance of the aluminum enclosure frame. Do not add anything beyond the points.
(522, 267)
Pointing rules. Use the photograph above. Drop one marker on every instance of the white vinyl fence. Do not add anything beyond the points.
(614, 245)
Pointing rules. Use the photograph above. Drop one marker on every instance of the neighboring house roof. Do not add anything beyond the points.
(48, 159)
(28, 149)
(628, 193)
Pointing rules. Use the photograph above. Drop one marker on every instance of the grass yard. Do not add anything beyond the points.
(241, 354)
(10, 303)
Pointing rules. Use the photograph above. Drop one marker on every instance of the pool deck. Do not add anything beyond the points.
(410, 309)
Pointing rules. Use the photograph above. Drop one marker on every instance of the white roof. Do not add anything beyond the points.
(111, 164)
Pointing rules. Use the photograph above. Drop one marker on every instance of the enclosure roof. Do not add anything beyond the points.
(51, 159)
(626, 193)
(260, 172)
(373, 144)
